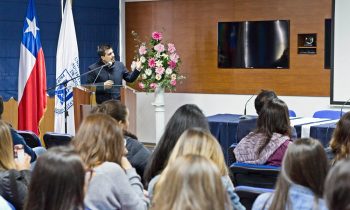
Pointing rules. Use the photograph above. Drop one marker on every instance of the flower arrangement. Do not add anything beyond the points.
(158, 64)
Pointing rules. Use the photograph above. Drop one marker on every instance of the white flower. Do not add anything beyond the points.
(168, 71)
(144, 76)
(133, 65)
(165, 55)
(159, 63)
(158, 77)
(157, 55)
(148, 72)
(138, 65)
(142, 59)
(173, 76)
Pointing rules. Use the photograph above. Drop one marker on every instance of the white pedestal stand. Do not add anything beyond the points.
(159, 112)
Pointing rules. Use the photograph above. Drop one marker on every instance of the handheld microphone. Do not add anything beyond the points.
(244, 116)
(341, 109)
(108, 64)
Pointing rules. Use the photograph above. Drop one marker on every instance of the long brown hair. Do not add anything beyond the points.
(340, 143)
(305, 163)
(6, 147)
(98, 140)
(273, 118)
(338, 186)
(192, 182)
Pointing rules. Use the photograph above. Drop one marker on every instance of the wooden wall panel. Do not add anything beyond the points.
(192, 26)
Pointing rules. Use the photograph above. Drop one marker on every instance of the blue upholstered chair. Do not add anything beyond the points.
(330, 114)
(52, 139)
(31, 139)
(244, 174)
(247, 194)
(292, 113)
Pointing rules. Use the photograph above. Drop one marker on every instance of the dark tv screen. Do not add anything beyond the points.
(253, 44)
(327, 43)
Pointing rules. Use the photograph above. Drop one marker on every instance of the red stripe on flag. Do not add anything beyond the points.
(32, 106)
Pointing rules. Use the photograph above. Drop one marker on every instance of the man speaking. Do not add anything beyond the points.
(109, 75)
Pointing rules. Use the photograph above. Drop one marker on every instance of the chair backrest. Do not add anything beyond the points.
(231, 158)
(244, 127)
(5, 205)
(247, 194)
(263, 176)
(52, 139)
(330, 114)
(31, 139)
(292, 113)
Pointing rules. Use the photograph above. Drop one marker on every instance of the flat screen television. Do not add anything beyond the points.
(253, 44)
(327, 43)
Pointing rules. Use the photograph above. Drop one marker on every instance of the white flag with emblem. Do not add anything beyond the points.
(67, 67)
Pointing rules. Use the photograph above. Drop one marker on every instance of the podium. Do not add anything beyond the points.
(84, 103)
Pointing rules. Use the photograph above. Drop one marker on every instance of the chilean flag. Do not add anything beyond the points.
(32, 75)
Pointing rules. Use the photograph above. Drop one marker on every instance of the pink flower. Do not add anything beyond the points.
(157, 36)
(160, 70)
(173, 82)
(153, 85)
(172, 64)
(152, 62)
(174, 57)
(159, 48)
(171, 48)
(142, 50)
(141, 85)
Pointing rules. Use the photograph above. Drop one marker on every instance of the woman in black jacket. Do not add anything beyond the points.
(14, 174)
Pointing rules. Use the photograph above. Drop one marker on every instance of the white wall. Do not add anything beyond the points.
(214, 104)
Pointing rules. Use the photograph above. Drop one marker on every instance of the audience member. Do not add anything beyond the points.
(114, 183)
(191, 182)
(138, 154)
(339, 146)
(300, 183)
(337, 186)
(14, 173)
(18, 139)
(187, 116)
(57, 181)
(197, 141)
(268, 143)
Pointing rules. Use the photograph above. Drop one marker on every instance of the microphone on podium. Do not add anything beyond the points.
(244, 116)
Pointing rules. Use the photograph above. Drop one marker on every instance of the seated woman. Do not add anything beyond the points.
(338, 186)
(138, 154)
(191, 182)
(14, 173)
(57, 181)
(339, 146)
(114, 183)
(268, 143)
(187, 116)
(300, 183)
(197, 141)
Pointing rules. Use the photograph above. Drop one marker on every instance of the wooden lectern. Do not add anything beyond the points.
(83, 104)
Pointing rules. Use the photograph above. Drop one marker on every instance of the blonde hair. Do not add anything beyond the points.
(196, 141)
(193, 182)
(6, 147)
(98, 140)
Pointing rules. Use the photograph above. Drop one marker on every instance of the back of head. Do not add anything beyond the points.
(198, 141)
(340, 142)
(305, 163)
(187, 116)
(338, 186)
(262, 98)
(57, 181)
(6, 147)
(99, 139)
(192, 182)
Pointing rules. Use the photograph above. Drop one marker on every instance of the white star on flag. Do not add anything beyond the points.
(32, 27)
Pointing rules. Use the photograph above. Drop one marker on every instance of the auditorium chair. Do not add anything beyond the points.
(247, 194)
(330, 114)
(244, 174)
(52, 139)
(31, 139)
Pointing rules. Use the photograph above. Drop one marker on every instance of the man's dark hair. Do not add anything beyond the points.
(101, 49)
(1, 106)
(262, 98)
